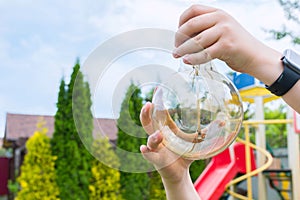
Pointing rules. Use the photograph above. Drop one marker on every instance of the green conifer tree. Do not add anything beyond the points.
(196, 169)
(73, 159)
(37, 179)
(130, 136)
(82, 126)
(156, 188)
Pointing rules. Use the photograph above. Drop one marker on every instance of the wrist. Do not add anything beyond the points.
(267, 67)
(178, 189)
(178, 179)
(290, 75)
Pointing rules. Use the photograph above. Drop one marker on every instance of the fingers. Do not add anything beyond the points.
(194, 26)
(194, 11)
(152, 157)
(154, 141)
(198, 34)
(150, 150)
(204, 56)
(196, 45)
(198, 58)
(193, 21)
(145, 117)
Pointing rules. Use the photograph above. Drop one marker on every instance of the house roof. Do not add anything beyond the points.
(23, 126)
(107, 127)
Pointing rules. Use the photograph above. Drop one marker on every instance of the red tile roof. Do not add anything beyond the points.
(107, 127)
(23, 126)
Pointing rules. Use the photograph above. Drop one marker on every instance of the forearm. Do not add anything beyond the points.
(268, 67)
(182, 189)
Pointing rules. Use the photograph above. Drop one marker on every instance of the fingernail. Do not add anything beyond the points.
(156, 136)
(143, 148)
(155, 139)
(186, 60)
(146, 107)
(176, 55)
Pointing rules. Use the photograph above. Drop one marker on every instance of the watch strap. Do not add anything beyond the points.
(284, 82)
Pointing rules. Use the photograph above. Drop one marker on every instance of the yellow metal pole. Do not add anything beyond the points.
(269, 121)
(247, 143)
(252, 173)
(248, 161)
(258, 170)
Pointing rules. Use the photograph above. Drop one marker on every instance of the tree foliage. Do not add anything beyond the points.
(130, 137)
(73, 160)
(291, 10)
(105, 182)
(197, 168)
(156, 190)
(276, 134)
(38, 179)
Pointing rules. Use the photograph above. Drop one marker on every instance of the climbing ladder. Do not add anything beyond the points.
(281, 181)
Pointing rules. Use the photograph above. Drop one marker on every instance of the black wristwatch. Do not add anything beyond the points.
(290, 74)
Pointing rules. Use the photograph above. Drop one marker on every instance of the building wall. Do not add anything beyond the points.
(4, 173)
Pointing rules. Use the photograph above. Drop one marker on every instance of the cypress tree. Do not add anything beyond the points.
(196, 169)
(60, 141)
(130, 136)
(156, 188)
(60, 130)
(73, 159)
(82, 126)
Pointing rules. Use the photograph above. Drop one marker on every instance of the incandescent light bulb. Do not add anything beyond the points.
(199, 112)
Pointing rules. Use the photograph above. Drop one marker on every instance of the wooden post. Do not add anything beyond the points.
(293, 156)
(260, 142)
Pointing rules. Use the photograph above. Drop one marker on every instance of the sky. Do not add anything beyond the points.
(41, 40)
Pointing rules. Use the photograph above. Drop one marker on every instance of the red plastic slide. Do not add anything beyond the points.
(223, 167)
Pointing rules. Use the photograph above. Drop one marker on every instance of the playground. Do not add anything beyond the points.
(249, 170)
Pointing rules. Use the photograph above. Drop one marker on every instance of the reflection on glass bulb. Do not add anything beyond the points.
(198, 111)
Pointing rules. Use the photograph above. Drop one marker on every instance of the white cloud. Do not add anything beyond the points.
(126, 15)
(40, 40)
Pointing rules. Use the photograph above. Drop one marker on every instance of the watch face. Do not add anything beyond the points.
(293, 59)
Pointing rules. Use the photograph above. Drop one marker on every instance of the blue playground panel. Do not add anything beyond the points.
(244, 80)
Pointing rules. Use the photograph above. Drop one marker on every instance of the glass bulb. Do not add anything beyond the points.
(199, 112)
